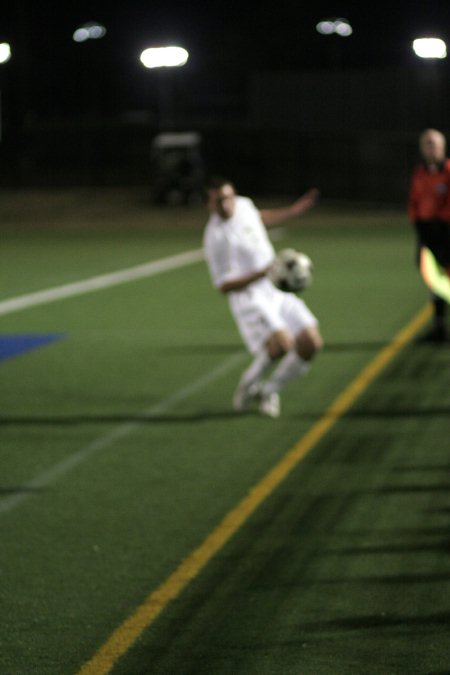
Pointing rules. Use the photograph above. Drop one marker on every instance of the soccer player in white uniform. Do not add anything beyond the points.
(275, 326)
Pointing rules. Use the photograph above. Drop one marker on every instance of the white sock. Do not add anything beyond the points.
(256, 369)
(290, 367)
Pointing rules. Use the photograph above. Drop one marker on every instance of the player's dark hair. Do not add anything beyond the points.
(216, 182)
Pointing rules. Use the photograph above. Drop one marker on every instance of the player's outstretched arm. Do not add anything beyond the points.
(272, 217)
(242, 282)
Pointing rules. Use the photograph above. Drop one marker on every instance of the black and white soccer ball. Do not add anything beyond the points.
(291, 271)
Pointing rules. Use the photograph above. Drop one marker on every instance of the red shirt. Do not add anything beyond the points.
(429, 196)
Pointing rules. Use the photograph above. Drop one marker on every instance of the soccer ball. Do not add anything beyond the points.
(291, 271)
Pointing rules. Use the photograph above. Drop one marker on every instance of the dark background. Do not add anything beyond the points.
(279, 107)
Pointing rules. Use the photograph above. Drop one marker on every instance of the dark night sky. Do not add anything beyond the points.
(226, 40)
(277, 34)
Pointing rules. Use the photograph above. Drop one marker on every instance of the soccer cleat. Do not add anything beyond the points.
(270, 405)
(244, 396)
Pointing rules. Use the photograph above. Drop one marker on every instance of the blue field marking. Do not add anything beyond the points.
(14, 345)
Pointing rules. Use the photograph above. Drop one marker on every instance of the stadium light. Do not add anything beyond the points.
(5, 52)
(164, 57)
(430, 48)
(336, 26)
(93, 30)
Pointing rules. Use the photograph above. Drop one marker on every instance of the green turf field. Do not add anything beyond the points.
(142, 529)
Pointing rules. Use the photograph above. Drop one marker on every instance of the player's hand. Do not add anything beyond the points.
(305, 202)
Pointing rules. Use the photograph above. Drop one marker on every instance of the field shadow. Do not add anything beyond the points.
(384, 622)
(310, 416)
(116, 418)
(199, 348)
(392, 549)
(432, 411)
(384, 413)
(388, 579)
(361, 346)
(332, 347)
(20, 490)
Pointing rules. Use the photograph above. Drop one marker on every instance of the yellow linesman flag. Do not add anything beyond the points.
(436, 277)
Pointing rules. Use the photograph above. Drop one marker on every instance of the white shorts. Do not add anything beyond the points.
(261, 309)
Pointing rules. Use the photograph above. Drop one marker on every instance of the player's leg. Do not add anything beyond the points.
(441, 251)
(438, 331)
(309, 342)
(254, 321)
(435, 236)
(296, 361)
(278, 344)
(248, 386)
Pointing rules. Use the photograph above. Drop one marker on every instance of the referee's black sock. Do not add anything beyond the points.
(440, 312)
(438, 332)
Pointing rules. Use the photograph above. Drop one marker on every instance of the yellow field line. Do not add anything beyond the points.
(128, 632)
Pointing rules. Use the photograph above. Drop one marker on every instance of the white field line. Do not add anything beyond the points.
(60, 469)
(88, 286)
(103, 281)
(99, 282)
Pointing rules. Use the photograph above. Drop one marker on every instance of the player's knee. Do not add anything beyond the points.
(280, 343)
(309, 343)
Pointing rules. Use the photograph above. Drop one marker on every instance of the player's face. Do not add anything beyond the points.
(432, 147)
(223, 201)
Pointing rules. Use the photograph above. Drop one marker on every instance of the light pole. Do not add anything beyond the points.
(90, 100)
(5, 55)
(175, 157)
(336, 28)
(164, 59)
(431, 50)
(91, 78)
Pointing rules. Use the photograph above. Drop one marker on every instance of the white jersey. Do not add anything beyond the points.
(237, 246)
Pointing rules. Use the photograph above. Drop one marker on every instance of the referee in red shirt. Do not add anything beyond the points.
(429, 211)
